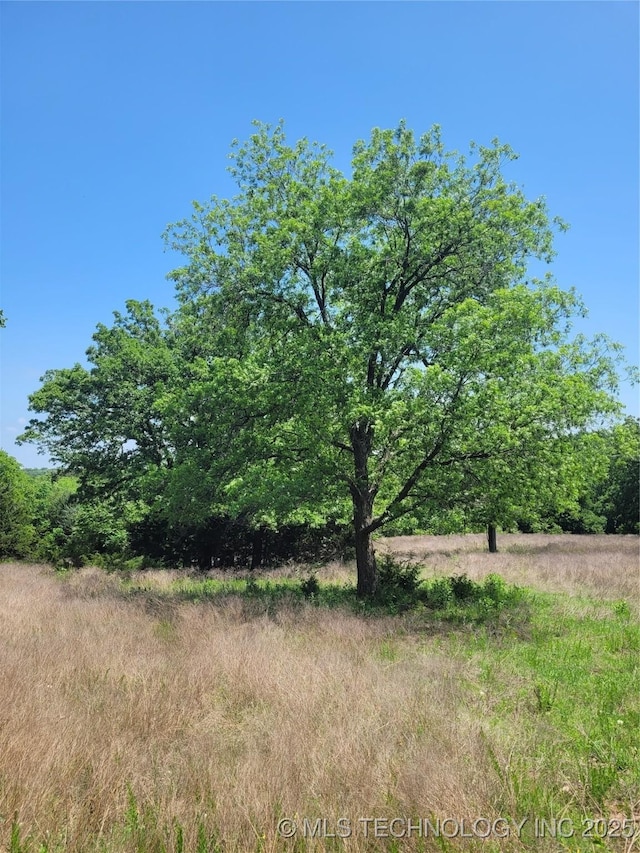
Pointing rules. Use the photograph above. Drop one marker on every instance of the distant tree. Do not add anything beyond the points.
(619, 495)
(53, 513)
(17, 533)
(609, 499)
(40, 473)
(101, 421)
(527, 488)
(3, 319)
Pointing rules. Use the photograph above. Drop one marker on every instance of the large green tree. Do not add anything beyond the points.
(103, 426)
(128, 426)
(363, 345)
(386, 334)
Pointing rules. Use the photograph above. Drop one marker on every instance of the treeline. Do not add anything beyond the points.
(44, 518)
(362, 350)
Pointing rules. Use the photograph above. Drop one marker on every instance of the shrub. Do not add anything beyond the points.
(310, 586)
(438, 595)
(460, 593)
(402, 576)
(398, 583)
(463, 588)
(17, 533)
(495, 589)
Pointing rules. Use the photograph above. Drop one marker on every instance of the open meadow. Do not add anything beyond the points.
(176, 712)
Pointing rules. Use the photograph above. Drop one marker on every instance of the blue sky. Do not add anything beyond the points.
(116, 116)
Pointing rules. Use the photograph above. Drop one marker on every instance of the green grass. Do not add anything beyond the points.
(455, 599)
(563, 701)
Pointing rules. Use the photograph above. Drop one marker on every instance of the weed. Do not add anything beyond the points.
(388, 651)
(621, 609)
(495, 589)
(14, 841)
(310, 586)
(545, 696)
(165, 630)
(179, 837)
(132, 815)
(252, 587)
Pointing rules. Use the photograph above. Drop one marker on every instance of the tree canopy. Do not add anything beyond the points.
(365, 345)
(17, 533)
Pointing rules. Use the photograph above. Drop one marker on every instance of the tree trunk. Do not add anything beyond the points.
(493, 539)
(363, 496)
(365, 555)
(256, 548)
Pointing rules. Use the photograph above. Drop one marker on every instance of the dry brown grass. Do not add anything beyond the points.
(606, 566)
(230, 717)
(211, 711)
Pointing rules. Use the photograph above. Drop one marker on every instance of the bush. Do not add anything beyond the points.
(310, 587)
(393, 574)
(438, 595)
(398, 584)
(495, 589)
(463, 588)
(459, 591)
(114, 562)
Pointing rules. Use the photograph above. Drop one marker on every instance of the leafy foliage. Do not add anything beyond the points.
(346, 349)
(17, 533)
(310, 586)
(619, 492)
(392, 350)
(398, 582)
(450, 593)
(54, 514)
(610, 498)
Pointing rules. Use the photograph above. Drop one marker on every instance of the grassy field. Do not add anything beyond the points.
(163, 712)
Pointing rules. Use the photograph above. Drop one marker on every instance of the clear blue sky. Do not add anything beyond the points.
(115, 116)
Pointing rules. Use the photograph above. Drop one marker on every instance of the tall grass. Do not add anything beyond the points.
(152, 723)
(604, 566)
